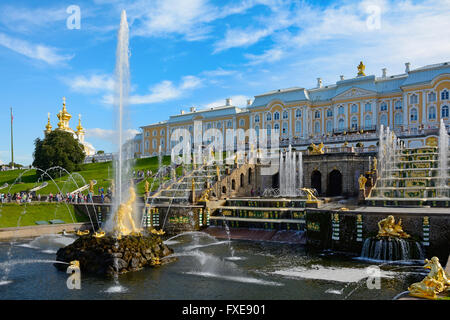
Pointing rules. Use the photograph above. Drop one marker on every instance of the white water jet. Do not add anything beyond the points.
(443, 159)
(122, 163)
(290, 173)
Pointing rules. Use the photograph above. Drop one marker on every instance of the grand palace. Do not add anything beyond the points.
(349, 112)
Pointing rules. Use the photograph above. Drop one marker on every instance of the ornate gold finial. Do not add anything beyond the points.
(64, 117)
(79, 127)
(361, 68)
(48, 127)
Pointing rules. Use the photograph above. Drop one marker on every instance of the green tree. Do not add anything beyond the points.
(58, 148)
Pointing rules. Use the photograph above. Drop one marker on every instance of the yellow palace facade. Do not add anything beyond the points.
(350, 111)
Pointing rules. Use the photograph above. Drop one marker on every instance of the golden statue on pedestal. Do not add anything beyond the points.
(375, 161)
(388, 228)
(362, 182)
(147, 187)
(317, 149)
(124, 213)
(311, 198)
(91, 186)
(361, 68)
(437, 281)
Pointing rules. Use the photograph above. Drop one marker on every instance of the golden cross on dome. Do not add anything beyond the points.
(64, 100)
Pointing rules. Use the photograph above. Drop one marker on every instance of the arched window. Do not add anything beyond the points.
(354, 108)
(269, 129)
(398, 120)
(285, 128)
(384, 120)
(298, 113)
(329, 126)
(368, 122)
(285, 114)
(354, 123)
(317, 114)
(431, 97)
(298, 126)
(383, 106)
(276, 127)
(444, 95)
(269, 116)
(162, 132)
(219, 125)
(341, 110)
(341, 124)
(413, 99)
(317, 127)
(368, 107)
(276, 116)
(155, 133)
(398, 105)
(256, 118)
(147, 145)
(154, 143)
(413, 115)
(329, 113)
(432, 113)
(230, 124)
(444, 112)
(162, 143)
(242, 180)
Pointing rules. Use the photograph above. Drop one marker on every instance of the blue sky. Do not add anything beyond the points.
(195, 53)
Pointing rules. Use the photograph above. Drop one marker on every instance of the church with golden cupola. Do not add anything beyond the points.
(63, 124)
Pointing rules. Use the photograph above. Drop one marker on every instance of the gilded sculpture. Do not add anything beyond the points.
(388, 228)
(147, 187)
(361, 68)
(362, 182)
(436, 282)
(317, 149)
(124, 213)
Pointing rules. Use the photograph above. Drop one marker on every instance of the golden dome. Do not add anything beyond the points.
(48, 127)
(79, 127)
(64, 116)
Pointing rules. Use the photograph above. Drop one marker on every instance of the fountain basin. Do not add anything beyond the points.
(108, 256)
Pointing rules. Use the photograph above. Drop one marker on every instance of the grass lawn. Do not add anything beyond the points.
(31, 212)
(102, 172)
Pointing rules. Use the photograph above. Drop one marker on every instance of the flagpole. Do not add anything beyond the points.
(12, 144)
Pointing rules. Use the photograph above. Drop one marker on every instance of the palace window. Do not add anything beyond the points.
(329, 113)
(413, 116)
(368, 122)
(276, 116)
(354, 108)
(285, 115)
(242, 122)
(298, 113)
(154, 143)
(298, 126)
(444, 95)
(285, 128)
(341, 124)
(256, 118)
(413, 99)
(317, 114)
(269, 129)
(431, 97)
(444, 112)
(147, 133)
(147, 145)
(162, 143)
(383, 106)
(317, 127)
(219, 125)
(208, 126)
(155, 133)
(257, 130)
(368, 107)
(269, 116)
(230, 124)
(398, 120)
(432, 113)
(398, 105)
(341, 110)
(276, 127)
(329, 126)
(162, 132)
(384, 120)
(354, 123)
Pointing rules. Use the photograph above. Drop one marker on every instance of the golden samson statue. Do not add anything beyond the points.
(123, 215)
(388, 228)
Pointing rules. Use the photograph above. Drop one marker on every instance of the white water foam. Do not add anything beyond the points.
(116, 289)
(233, 258)
(5, 282)
(189, 248)
(49, 242)
(334, 291)
(330, 274)
(235, 278)
(171, 242)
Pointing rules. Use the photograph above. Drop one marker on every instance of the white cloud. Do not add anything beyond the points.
(34, 51)
(93, 83)
(161, 92)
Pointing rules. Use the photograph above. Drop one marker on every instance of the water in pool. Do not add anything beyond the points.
(206, 268)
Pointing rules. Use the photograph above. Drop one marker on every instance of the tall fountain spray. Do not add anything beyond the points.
(122, 163)
(443, 159)
(290, 173)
